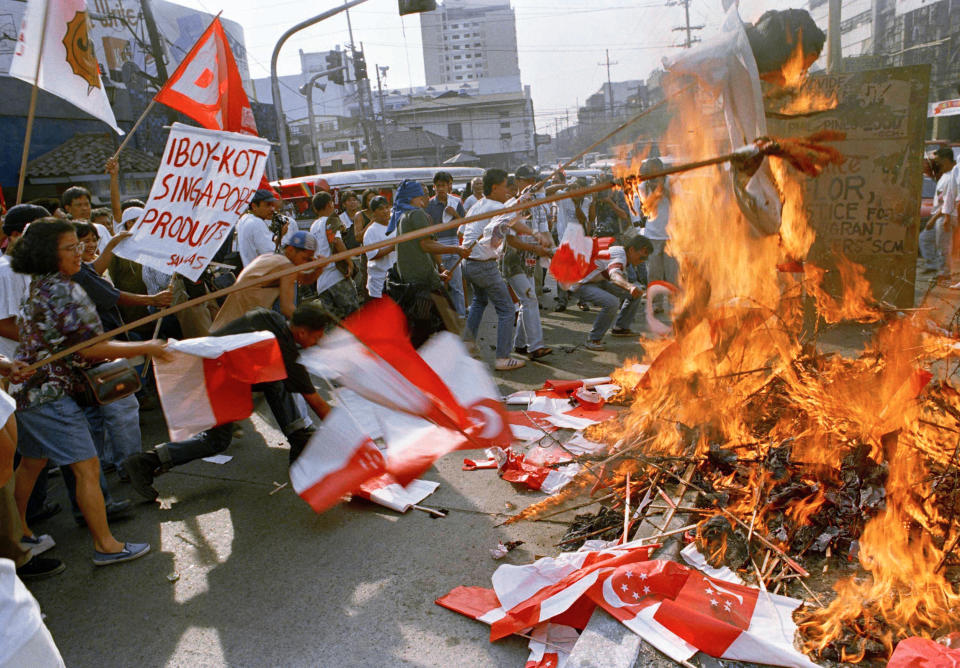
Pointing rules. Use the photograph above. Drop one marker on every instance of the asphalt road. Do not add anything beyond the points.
(241, 577)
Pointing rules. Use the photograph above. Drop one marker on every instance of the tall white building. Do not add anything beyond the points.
(467, 40)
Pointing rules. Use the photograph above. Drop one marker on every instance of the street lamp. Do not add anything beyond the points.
(307, 89)
(405, 7)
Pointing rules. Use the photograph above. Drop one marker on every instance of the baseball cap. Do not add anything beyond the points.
(302, 240)
(526, 172)
(263, 195)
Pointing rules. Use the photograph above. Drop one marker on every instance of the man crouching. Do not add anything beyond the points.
(306, 327)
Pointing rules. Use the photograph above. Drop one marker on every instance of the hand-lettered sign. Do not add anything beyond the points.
(205, 181)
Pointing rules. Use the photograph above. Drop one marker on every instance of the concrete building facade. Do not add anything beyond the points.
(466, 40)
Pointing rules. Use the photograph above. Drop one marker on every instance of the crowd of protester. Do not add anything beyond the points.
(62, 284)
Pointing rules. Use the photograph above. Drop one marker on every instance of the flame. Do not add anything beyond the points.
(738, 390)
(794, 93)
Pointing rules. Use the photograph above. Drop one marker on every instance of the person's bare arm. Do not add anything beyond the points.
(537, 249)
(359, 228)
(102, 262)
(106, 350)
(113, 169)
(288, 295)
(437, 248)
(618, 278)
(160, 299)
(319, 406)
(8, 328)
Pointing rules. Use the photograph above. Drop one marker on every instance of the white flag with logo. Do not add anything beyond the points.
(55, 34)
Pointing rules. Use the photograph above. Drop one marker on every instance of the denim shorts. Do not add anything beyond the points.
(57, 430)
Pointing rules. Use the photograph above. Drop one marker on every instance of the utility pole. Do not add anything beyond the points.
(834, 48)
(687, 28)
(609, 84)
(360, 98)
(383, 113)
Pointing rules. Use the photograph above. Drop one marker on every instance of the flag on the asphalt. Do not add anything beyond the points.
(677, 609)
(575, 257)
(337, 460)
(208, 381)
(437, 399)
(54, 50)
(207, 86)
(386, 491)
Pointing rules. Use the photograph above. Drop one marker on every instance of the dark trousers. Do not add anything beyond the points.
(216, 440)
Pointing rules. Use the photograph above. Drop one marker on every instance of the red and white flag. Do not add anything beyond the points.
(207, 86)
(575, 257)
(54, 50)
(339, 458)
(386, 491)
(439, 399)
(208, 381)
(676, 609)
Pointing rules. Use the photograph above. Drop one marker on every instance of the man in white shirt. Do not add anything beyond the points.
(945, 210)
(254, 237)
(335, 288)
(14, 286)
(476, 193)
(380, 260)
(609, 288)
(485, 238)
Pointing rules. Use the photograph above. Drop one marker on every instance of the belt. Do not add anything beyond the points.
(492, 259)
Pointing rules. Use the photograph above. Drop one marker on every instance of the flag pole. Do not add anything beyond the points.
(134, 128)
(33, 106)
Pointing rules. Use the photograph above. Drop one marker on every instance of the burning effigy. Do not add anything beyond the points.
(779, 461)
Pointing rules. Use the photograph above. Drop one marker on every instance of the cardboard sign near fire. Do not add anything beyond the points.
(868, 208)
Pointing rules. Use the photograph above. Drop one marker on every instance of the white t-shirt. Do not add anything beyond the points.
(657, 227)
(13, 290)
(330, 275)
(488, 239)
(377, 269)
(470, 201)
(617, 260)
(347, 220)
(253, 238)
(19, 613)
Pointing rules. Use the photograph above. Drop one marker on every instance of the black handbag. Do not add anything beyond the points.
(109, 381)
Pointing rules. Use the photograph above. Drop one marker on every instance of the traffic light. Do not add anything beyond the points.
(359, 66)
(416, 6)
(335, 63)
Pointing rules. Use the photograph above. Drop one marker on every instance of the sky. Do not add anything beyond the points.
(561, 44)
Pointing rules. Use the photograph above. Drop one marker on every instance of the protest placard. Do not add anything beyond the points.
(205, 180)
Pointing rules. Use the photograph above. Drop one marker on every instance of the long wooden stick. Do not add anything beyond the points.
(539, 184)
(134, 128)
(31, 112)
(408, 236)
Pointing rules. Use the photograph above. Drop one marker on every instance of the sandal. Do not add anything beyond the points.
(508, 364)
(540, 352)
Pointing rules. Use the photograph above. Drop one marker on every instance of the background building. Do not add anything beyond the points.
(465, 40)
(128, 43)
(890, 33)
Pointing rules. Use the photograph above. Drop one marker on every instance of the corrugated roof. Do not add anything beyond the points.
(87, 153)
(424, 103)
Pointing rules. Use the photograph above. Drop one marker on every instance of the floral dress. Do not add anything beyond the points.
(56, 314)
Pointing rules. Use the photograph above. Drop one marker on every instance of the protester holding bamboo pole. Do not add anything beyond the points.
(52, 423)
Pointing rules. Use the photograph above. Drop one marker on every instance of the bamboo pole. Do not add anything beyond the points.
(31, 112)
(409, 236)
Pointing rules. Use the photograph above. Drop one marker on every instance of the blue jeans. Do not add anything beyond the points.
(928, 249)
(121, 425)
(488, 286)
(216, 440)
(455, 284)
(608, 297)
(529, 330)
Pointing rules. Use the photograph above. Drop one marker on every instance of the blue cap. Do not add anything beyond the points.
(302, 240)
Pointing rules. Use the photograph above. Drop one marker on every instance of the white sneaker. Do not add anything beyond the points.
(37, 544)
